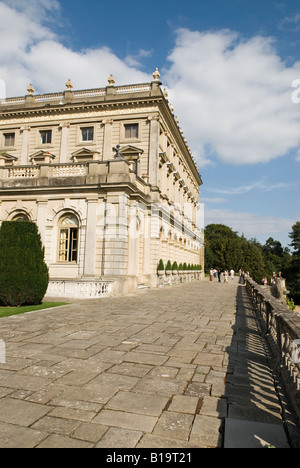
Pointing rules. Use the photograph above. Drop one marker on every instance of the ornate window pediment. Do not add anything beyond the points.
(84, 154)
(132, 153)
(42, 157)
(7, 159)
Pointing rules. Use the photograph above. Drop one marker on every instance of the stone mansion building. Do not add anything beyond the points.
(108, 177)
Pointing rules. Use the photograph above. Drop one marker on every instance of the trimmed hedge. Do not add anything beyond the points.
(24, 275)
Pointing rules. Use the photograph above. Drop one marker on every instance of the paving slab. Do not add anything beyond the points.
(130, 402)
(251, 434)
(20, 412)
(15, 436)
(163, 368)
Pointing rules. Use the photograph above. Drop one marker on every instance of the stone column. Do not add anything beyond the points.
(25, 142)
(154, 150)
(90, 238)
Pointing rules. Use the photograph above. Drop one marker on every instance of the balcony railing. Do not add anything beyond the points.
(27, 172)
(281, 327)
(43, 99)
(89, 172)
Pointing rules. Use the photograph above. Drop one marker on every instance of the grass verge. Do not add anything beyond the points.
(8, 311)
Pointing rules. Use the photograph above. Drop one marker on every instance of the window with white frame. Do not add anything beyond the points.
(87, 134)
(46, 137)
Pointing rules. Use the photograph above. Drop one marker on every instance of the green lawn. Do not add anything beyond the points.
(8, 311)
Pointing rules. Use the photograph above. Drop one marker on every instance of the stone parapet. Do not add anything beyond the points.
(88, 288)
(94, 172)
(281, 327)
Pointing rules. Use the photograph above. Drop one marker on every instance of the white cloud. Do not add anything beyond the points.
(250, 224)
(290, 23)
(213, 200)
(262, 185)
(31, 52)
(135, 60)
(233, 96)
(40, 10)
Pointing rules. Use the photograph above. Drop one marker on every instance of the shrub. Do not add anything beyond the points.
(24, 274)
(169, 266)
(174, 266)
(161, 266)
(291, 304)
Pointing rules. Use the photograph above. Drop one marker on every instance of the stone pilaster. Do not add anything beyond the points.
(64, 142)
(153, 170)
(90, 238)
(25, 142)
(107, 144)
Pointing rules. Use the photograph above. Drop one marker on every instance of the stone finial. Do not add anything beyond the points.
(156, 75)
(69, 84)
(111, 80)
(30, 89)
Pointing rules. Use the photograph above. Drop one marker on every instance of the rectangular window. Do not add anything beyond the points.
(9, 139)
(46, 137)
(68, 245)
(87, 134)
(131, 130)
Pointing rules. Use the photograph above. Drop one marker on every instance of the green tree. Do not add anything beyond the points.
(276, 257)
(24, 274)
(253, 259)
(227, 250)
(221, 244)
(293, 272)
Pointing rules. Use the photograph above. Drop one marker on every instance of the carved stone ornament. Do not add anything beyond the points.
(111, 80)
(30, 89)
(156, 75)
(69, 84)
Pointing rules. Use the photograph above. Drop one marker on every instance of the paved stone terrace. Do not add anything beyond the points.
(161, 369)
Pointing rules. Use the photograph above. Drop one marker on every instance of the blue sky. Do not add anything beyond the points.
(229, 67)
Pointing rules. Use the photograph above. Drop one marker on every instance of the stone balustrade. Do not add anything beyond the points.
(70, 96)
(281, 328)
(85, 288)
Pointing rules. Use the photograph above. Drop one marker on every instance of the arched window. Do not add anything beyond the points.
(21, 217)
(68, 239)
